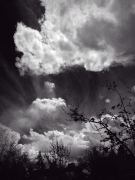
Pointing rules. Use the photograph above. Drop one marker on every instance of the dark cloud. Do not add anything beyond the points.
(99, 36)
(89, 89)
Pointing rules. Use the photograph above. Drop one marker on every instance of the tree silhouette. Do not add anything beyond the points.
(58, 155)
(121, 115)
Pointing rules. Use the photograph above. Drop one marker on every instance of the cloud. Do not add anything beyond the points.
(115, 125)
(42, 114)
(75, 140)
(133, 89)
(77, 137)
(107, 101)
(38, 57)
(93, 34)
(47, 117)
(50, 89)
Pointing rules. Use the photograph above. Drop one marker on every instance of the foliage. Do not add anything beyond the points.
(58, 155)
(95, 164)
(113, 159)
(117, 125)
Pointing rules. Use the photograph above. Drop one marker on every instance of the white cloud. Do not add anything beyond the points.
(93, 34)
(50, 86)
(37, 56)
(50, 89)
(75, 140)
(47, 113)
(107, 101)
(42, 114)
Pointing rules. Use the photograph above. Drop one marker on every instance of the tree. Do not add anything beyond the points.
(121, 116)
(8, 141)
(58, 155)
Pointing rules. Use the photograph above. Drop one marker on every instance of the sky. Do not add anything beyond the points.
(60, 54)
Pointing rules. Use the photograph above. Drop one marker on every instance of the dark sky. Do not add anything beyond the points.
(15, 89)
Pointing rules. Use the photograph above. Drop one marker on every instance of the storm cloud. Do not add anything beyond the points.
(91, 34)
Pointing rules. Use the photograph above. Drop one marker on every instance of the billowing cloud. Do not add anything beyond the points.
(93, 34)
(38, 56)
(49, 112)
(42, 114)
(74, 140)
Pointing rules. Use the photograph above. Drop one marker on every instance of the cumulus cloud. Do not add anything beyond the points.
(49, 113)
(42, 114)
(47, 117)
(93, 34)
(75, 140)
(38, 57)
